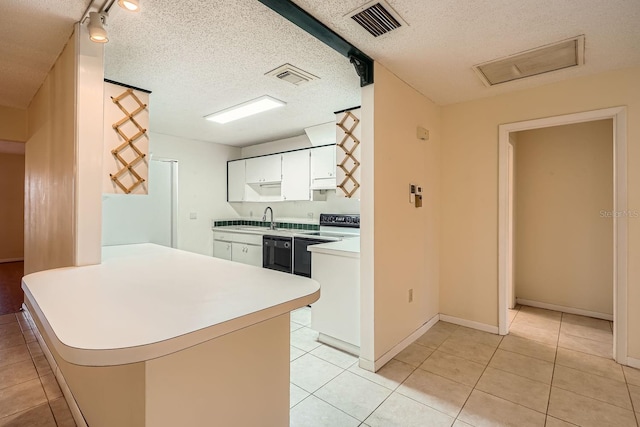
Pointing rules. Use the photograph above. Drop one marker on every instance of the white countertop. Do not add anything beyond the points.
(146, 301)
(244, 229)
(346, 247)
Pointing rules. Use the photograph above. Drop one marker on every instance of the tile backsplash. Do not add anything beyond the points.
(250, 223)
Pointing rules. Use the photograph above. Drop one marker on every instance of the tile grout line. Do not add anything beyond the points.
(553, 372)
(633, 407)
(395, 390)
(39, 377)
(478, 380)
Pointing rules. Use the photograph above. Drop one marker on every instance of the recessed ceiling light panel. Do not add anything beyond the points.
(556, 56)
(246, 109)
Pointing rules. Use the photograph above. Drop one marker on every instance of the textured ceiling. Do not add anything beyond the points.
(445, 38)
(202, 56)
(32, 35)
(199, 56)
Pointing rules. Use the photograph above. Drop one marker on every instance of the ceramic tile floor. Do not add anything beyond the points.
(29, 392)
(553, 370)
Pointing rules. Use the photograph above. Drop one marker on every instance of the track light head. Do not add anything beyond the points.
(97, 32)
(130, 5)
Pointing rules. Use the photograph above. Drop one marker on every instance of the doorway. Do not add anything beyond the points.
(506, 218)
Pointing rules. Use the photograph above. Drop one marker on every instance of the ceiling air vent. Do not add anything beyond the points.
(291, 74)
(556, 56)
(377, 17)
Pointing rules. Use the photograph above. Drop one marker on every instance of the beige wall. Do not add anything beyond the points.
(11, 206)
(49, 169)
(406, 253)
(469, 267)
(564, 245)
(13, 124)
(63, 161)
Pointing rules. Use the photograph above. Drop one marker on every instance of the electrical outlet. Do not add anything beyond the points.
(193, 215)
(411, 295)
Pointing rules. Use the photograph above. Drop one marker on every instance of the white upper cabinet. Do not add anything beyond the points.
(263, 170)
(323, 168)
(235, 181)
(295, 175)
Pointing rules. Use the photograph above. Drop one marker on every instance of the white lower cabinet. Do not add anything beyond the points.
(239, 247)
(222, 249)
(247, 254)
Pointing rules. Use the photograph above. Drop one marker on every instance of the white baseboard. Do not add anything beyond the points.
(11, 260)
(564, 309)
(633, 362)
(373, 366)
(339, 344)
(469, 323)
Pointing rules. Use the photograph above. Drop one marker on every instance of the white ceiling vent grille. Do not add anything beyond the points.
(290, 74)
(377, 17)
(553, 57)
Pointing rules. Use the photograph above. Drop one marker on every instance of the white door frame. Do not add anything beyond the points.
(619, 116)
(174, 197)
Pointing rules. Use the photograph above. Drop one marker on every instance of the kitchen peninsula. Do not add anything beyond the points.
(336, 316)
(155, 336)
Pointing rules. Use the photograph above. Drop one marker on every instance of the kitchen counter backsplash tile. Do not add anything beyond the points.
(281, 225)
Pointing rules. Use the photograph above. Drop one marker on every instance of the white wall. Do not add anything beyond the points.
(142, 218)
(202, 186)
(277, 146)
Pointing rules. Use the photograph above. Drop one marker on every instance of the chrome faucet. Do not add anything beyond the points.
(272, 226)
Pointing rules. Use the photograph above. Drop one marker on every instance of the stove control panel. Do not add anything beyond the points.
(340, 220)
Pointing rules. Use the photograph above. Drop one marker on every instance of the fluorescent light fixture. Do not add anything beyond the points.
(130, 5)
(246, 109)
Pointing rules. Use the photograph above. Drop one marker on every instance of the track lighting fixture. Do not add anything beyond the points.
(98, 20)
(97, 32)
(130, 5)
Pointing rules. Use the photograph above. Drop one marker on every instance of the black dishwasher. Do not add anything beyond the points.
(277, 253)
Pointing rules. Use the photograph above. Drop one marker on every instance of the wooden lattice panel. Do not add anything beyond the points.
(127, 167)
(349, 164)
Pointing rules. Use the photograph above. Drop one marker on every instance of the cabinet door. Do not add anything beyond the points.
(235, 181)
(264, 169)
(222, 249)
(295, 175)
(323, 168)
(323, 162)
(247, 254)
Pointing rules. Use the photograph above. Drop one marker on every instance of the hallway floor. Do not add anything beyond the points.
(11, 295)
(553, 370)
